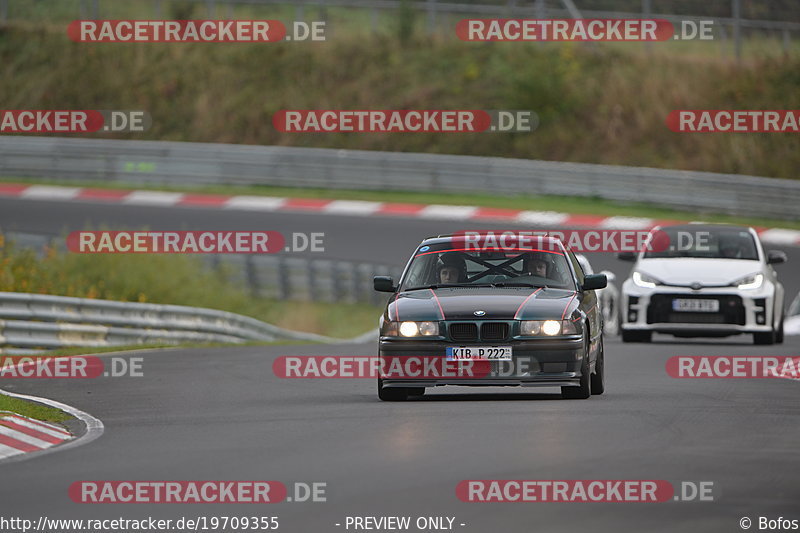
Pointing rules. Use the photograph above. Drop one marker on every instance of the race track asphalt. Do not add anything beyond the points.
(221, 414)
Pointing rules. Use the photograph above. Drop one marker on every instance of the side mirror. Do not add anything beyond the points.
(626, 256)
(383, 284)
(776, 256)
(595, 281)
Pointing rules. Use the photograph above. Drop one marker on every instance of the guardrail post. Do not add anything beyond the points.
(431, 16)
(361, 275)
(786, 41)
(572, 8)
(285, 279)
(647, 11)
(541, 9)
(737, 28)
(311, 276)
(373, 294)
(337, 282)
(723, 37)
(252, 275)
(157, 9)
(355, 286)
(3, 11)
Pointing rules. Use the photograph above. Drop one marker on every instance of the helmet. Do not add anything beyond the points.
(531, 257)
(453, 260)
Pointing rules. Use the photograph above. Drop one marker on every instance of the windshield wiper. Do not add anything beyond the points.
(448, 286)
(502, 284)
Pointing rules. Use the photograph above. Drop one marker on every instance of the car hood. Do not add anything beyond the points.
(498, 304)
(688, 270)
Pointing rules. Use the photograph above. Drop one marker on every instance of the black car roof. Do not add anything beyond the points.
(439, 239)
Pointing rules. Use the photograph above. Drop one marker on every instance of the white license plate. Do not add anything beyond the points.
(479, 353)
(701, 306)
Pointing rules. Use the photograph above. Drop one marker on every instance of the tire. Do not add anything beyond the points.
(764, 338)
(585, 389)
(392, 394)
(636, 336)
(598, 379)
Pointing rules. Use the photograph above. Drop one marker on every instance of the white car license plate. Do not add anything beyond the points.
(479, 353)
(701, 306)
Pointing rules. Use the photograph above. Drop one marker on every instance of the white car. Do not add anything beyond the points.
(792, 322)
(703, 280)
(608, 297)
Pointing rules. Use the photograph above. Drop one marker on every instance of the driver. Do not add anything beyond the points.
(731, 248)
(536, 264)
(453, 268)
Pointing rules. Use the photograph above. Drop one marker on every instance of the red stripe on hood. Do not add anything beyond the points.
(438, 303)
(526, 301)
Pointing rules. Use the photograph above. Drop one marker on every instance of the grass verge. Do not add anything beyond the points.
(32, 409)
(170, 279)
(596, 104)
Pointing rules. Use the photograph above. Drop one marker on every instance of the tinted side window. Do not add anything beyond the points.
(577, 266)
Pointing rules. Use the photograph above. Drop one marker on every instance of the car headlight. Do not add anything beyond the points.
(547, 328)
(753, 281)
(643, 280)
(411, 329)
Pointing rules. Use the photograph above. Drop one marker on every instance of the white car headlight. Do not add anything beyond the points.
(548, 328)
(643, 280)
(753, 281)
(412, 329)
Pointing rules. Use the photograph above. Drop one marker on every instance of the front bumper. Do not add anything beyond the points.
(548, 362)
(741, 311)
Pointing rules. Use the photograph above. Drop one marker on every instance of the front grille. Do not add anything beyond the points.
(731, 310)
(696, 318)
(494, 331)
(464, 331)
(489, 331)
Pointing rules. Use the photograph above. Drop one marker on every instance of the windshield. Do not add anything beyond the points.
(705, 243)
(444, 266)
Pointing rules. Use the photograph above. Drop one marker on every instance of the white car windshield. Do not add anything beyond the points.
(704, 243)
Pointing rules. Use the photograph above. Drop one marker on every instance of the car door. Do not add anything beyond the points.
(589, 305)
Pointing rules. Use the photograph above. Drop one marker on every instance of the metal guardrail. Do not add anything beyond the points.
(29, 322)
(306, 279)
(539, 8)
(182, 164)
(277, 277)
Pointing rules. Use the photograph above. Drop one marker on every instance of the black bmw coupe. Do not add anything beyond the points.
(476, 310)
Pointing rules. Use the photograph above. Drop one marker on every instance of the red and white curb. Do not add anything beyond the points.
(22, 438)
(19, 434)
(779, 236)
